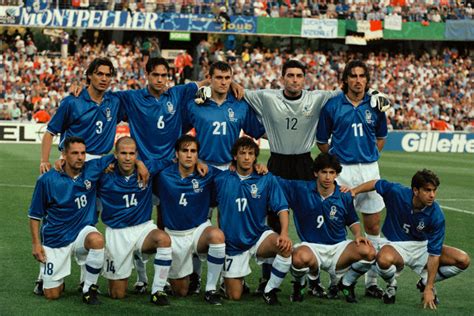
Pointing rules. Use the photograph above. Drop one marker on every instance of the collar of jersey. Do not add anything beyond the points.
(86, 96)
(345, 100)
(229, 99)
(254, 174)
(147, 93)
(336, 193)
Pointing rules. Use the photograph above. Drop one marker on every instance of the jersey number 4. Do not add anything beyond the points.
(182, 200)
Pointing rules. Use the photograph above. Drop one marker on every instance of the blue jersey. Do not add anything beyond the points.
(319, 220)
(184, 202)
(125, 201)
(82, 117)
(243, 206)
(156, 124)
(66, 205)
(218, 127)
(403, 224)
(354, 130)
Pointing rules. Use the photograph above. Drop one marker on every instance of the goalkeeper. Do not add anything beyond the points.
(357, 127)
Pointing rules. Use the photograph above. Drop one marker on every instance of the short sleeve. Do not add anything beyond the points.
(39, 200)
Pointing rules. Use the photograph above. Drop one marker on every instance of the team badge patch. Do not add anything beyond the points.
(196, 187)
(368, 117)
(108, 114)
(306, 111)
(254, 191)
(140, 185)
(231, 115)
(87, 184)
(420, 226)
(170, 108)
(332, 213)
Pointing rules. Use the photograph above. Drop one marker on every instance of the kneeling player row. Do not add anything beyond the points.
(65, 201)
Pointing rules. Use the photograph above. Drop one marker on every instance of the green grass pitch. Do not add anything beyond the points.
(19, 166)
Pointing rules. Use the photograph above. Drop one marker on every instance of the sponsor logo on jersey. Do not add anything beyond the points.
(420, 226)
(87, 184)
(254, 191)
(368, 117)
(231, 115)
(170, 107)
(332, 213)
(196, 187)
(108, 114)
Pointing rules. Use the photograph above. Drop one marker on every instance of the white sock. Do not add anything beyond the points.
(371, 275)
(197, 265)
(215, 262)
(388, 274)
(94, 263)
(280, 268)
(162, 266)
(299, 274)
(356, 270)
(446, 272)
(141, 269)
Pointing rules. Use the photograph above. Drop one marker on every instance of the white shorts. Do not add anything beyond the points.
(356, 174)
(238, 266)
(414, 253)
(327, 255)
(184, 245)
(58, 260)
(120, 246)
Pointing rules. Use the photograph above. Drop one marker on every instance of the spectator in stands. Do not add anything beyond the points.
(41, 116)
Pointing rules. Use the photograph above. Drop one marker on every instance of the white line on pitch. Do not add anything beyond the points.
(457, 210)
(454, 200)
(16, 185)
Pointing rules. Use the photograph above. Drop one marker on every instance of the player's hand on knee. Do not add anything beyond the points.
(379, 100)
(45, 166)
(58, 164)
(361, 239)
(261, 169)
(38, 253)
(202, 168)
(284, 243)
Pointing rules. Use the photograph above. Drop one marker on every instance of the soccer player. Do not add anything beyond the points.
(92, 115)
(127, 208)
(65, 202)
(321, 213)
(185, 198)
(243, 198)
(220, 119)
(415, 230)
(357, 132)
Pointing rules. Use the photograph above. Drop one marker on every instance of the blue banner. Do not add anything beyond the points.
(124, 20)
(443, 142)
(35, 6)
(459, 30)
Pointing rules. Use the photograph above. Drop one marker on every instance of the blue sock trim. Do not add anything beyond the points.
(159, 262)
(278, 273)
(215, 260)
(93, 270)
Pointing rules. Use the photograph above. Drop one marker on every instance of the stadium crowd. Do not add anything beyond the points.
(428, 92)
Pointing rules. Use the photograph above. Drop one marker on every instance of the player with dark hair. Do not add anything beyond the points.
(243, 199)
(358, 132)
(130, 231)
(185, 200)
(321, 213)
(92, 115)
(65, 202)
(415, 229)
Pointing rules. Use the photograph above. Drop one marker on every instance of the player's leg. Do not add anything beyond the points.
(180, 286)
(236, 267)
(388, 262)
(234, 288)
(157, 241)
(356, 260)
(118, 288)
(303, 260)
(54, 270)
(212, 242)
(181, 264)
(94, 245)
(267, 247)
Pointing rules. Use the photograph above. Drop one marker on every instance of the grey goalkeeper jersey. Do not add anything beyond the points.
(290, 124)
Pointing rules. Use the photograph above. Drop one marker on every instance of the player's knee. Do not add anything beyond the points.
(372, 229)
(95, 240)
(52, 294)
(234, 295)
(300, 259)
(117, 293)
(368, 253)
(463, 261)
(181, 291)
(162, 239)
(384, 261)
(216, 236)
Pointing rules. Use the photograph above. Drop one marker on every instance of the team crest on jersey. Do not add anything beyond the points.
(170, 107)
(368, 117)
(87, 184)
(332, 213)
(421, 226)
(254, 191)
(231, 115)
(140, 185)
(108, 114)
(306, 111)
(196, 187)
